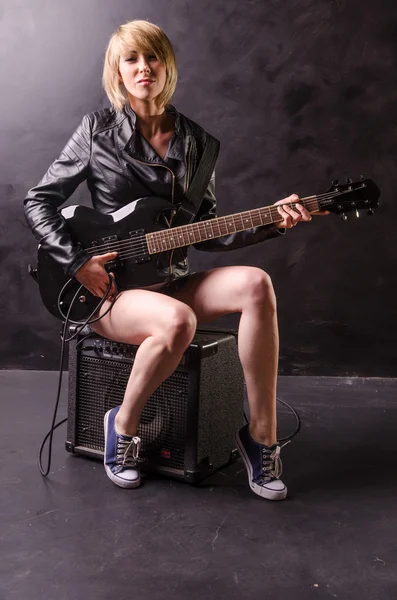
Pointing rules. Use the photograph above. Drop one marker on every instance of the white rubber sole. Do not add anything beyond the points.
(260, 490)
(123, 483)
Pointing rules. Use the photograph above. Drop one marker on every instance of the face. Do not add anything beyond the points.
(143, 75)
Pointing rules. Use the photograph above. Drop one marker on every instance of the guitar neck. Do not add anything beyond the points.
(186, 235)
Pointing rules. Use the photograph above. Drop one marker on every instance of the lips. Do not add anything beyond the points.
(146, 81)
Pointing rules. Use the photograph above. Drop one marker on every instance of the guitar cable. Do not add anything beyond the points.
(82, 325)
(288, 438)
(79, 329)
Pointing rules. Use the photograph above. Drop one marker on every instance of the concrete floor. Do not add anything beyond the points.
(76, 536)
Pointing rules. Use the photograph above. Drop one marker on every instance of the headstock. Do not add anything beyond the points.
(352, 195)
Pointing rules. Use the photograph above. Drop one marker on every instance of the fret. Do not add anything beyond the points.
(236, 225)
(223, 225)
(238, 219)
(208, 227)
(192, 235)
(256, 217)
(197, 232)
(266, 216)
(229, 225)
(247, 220)
(216, 228)
(274, 215)
(185, 235)
(203, 231)
(164, 243)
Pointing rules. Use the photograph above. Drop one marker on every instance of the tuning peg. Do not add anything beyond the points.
(362, 178)
(370, 211)
(343, 217)
(348, 180)
(357, 213)
(335, 182)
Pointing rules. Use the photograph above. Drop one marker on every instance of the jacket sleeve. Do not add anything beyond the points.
(58, 184)
(232, 241)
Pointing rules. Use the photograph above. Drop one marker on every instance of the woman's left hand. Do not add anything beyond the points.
(291, 216)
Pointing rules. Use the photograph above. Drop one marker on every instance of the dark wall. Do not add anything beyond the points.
(299, 93)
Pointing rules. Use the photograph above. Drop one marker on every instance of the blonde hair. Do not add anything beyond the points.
(143, 37)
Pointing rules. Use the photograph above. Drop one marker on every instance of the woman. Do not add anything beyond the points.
(143, 147)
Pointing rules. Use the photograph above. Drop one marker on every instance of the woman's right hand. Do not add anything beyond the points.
(93, 275)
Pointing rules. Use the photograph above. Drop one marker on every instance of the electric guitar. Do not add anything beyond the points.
(141, 231)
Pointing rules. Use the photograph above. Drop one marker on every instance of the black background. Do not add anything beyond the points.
(299, 94)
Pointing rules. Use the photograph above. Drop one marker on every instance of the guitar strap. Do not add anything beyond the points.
(195, 193)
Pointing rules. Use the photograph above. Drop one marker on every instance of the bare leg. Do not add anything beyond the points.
(163, 328)
(247, 290)
(258, 351)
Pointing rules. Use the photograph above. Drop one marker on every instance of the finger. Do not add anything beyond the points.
(290, 199)
(305, 215)
(104, 258)
(293, 212)
(321, 213)
(282, 211)
(284, 216)
(285, 221)
(294, 215)
(100, 290)
(95, 292)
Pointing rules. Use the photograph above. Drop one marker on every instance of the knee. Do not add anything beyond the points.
(180, 327)
(259, 289)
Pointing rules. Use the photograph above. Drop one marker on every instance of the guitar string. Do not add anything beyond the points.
(272, 209)
(156, 235)
(130, 253)
(161, 244)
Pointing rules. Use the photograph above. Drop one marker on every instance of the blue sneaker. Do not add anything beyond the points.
(121, 454)
(263, 464)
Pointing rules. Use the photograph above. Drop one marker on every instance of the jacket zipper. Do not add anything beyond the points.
(189, 155)
(173, 211)
(188, 168)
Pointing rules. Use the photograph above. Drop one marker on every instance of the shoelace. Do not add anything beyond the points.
(128, 451)
(272, 467)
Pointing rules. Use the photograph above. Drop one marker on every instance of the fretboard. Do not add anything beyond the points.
(185, 235)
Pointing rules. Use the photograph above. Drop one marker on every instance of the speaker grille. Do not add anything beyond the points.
(163, 422)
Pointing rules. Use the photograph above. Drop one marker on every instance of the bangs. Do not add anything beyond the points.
(141, 39)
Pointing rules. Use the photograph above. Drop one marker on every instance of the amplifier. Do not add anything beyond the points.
(187, 426)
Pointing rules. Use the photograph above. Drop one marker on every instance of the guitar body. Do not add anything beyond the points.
(122, 231)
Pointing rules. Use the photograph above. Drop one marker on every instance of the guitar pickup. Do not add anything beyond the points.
(111, 244)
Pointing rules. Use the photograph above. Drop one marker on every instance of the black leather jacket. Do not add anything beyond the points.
(119, 166)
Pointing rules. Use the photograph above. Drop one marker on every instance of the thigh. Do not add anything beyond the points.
(223, 290)
(138, 314)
